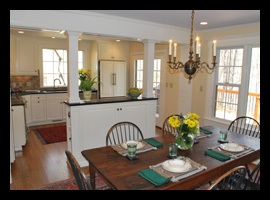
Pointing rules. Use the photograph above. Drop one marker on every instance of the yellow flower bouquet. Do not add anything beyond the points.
(187, 127)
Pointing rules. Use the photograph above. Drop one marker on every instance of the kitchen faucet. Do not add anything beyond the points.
(54, 82)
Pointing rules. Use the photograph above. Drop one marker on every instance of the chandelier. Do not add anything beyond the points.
(191, 65)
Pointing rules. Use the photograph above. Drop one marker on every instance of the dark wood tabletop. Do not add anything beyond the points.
(121, 173)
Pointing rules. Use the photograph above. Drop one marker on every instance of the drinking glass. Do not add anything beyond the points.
(131, 149)
(173, 149)
(223, 135)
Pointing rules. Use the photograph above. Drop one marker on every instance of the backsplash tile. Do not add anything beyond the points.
(15, 81)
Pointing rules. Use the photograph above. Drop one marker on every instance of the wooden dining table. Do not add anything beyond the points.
(120, 173)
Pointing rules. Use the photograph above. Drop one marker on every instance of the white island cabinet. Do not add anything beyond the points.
(88, 124)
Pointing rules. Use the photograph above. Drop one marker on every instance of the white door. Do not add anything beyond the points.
(106, 78)
(159, 84)
(159, 81)
(120, 79)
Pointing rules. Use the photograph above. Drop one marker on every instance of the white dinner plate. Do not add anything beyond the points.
(139, 144)
(176, 165)
(232, 147)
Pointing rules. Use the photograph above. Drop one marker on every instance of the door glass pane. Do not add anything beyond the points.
(253, 105)
(226, 102)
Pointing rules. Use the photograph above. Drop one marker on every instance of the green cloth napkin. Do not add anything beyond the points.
(153, 142)
(205, 131)
(217, 155)
(153, 177)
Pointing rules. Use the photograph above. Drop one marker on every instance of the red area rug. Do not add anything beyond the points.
(70, 184)
(52, 134)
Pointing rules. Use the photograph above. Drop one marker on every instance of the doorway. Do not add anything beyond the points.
(159, 81)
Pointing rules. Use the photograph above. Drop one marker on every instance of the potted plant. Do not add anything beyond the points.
(187, 127)
(86, 83)
(134, 92)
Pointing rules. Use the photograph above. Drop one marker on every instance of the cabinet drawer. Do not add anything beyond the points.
(38, 97)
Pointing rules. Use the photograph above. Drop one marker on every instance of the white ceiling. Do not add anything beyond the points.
(182, 18)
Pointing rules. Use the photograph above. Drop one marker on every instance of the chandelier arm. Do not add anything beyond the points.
(196, 65)
(180, 65)
(205, 64)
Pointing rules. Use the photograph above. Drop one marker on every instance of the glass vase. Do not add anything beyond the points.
(184, 142)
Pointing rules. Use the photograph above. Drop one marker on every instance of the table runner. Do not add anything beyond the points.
(175, 177)
(124, 152)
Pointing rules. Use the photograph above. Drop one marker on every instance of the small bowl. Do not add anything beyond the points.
(134, 95)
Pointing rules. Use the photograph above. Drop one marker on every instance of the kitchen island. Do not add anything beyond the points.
(89, 122)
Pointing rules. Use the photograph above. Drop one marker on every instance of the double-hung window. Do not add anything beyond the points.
(237, 83)
(55, 66)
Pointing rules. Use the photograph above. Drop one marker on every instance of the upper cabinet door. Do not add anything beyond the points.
(105, 51)
(26, 56)
(112, 50)
(119, 51)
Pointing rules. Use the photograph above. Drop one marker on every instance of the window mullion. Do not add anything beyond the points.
(243, 90)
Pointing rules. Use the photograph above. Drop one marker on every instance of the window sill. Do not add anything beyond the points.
(224, 124)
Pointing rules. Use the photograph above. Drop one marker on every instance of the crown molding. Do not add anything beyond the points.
(229, 27)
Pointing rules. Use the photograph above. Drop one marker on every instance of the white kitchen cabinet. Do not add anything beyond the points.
(38, 108)
(112, 50)
(12, 55)
(113, 78)
(54, 110)
(88, 124)
(55, 106)
(45, 108)
(18, 122)
(26, 55)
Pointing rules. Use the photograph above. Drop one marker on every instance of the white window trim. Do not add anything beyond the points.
(247, 41)
(60, 44)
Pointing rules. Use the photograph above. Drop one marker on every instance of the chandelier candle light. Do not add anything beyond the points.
(191, 65)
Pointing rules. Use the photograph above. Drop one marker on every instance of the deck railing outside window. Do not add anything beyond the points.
(253, 105)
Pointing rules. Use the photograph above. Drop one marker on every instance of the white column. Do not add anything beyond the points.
(73, 88)
(148, 68)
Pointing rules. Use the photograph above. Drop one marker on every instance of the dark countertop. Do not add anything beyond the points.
(108, 100)
(16, 99)
(47, 91)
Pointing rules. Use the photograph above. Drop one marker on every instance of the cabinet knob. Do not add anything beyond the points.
(118, 109)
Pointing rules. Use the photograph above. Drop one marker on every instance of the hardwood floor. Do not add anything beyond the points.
(40, 164)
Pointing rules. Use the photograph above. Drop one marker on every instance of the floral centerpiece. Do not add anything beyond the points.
(134, 92)
(187, 127)
(86, 83)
